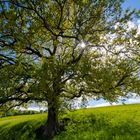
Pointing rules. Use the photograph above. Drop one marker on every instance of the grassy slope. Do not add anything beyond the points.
(106, 123)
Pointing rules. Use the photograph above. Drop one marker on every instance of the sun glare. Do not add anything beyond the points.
(82, 44)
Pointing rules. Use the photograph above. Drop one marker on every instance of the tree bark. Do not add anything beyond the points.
(51, 127)
(52, 123)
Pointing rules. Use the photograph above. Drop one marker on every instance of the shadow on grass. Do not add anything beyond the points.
(19, 131)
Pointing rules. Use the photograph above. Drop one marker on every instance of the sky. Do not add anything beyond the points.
(131, 4)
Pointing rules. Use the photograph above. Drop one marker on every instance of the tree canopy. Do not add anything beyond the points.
(57, 50)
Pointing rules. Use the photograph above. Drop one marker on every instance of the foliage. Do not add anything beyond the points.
(53, 51)
(42, 42)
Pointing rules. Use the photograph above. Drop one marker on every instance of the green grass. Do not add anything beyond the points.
(20, 127)
(106, 123)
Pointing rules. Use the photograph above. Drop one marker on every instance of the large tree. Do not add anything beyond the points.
(57, 50)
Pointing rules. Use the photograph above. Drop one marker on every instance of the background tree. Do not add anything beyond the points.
(59, 50)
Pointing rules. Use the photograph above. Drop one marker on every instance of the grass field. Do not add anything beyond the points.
(106, 123)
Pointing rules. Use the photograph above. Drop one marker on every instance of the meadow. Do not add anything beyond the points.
(105, 123)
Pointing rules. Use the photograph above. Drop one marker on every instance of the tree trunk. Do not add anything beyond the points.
(52, 123)
(51, 127)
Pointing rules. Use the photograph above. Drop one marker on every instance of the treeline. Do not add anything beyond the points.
(19, 112)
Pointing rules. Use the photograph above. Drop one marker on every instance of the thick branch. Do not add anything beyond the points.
(25, 100)
(33, 51)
